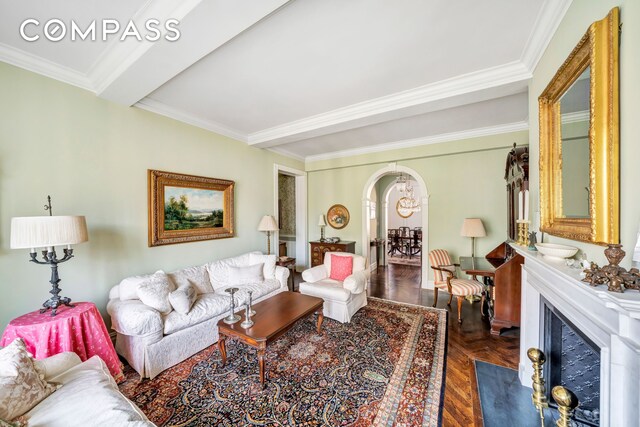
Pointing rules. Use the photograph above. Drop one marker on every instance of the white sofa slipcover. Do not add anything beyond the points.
(341, 299)
(88, 396)
(152, 342)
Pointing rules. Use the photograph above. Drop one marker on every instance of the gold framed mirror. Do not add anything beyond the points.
(579, 140)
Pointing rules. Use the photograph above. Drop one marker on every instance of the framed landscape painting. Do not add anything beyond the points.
(188, 208)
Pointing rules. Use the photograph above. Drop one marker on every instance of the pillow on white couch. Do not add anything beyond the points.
(198, 276)
(182, 299)
(21, 385)
(269, 261)
(128, 288)
(246, 275)
(154, 292)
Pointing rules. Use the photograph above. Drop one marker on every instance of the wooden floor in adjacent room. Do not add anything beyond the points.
(468, 341)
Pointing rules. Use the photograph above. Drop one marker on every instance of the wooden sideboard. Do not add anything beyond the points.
(318, 249)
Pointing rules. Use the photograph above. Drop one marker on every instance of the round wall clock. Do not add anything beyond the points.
(338, 216)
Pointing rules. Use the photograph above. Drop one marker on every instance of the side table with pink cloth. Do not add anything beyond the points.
(79, 329)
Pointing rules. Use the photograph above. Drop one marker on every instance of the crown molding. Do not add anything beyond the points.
(36, 64)
(549, 18)
(416, 142)
(153, 106)
(286, 153)
(472, 82)
(578, 116)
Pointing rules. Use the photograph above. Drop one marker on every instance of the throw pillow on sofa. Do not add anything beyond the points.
(198, 276)
(21, 385)
(341, 267)
(154, 292)
(269, 261)
(246, 275)
(128, 288)
(183, 298)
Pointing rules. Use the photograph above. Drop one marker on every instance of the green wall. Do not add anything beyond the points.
(575, 23)
(92, 157)
(464, 179)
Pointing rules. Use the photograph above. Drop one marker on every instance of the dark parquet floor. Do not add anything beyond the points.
(468, 341)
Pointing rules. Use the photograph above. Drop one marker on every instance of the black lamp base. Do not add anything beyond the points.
(55, 302)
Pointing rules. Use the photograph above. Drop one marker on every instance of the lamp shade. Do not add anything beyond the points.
(268, 223)
(47, 231)
(321, 221)
(472, 227)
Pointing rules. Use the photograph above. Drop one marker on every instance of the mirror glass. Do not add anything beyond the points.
(574, 113)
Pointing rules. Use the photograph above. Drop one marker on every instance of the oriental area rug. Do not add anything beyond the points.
(385, 368)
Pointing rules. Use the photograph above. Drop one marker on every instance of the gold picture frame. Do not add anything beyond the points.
(338, 216)
(599, 50)
(188, 208)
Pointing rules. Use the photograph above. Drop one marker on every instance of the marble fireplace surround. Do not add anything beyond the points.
(611, 321)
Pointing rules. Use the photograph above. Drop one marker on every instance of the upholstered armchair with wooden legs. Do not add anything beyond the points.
(445, 278)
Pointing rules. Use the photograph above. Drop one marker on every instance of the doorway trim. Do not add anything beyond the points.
(301, 209)
(394, 168)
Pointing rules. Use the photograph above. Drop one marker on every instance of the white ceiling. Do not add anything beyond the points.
(308, 78)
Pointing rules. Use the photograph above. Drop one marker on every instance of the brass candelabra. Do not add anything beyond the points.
(565, 399)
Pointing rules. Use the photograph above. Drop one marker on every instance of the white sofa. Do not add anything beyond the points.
(88, 396)
(152, 342)
(341, 299)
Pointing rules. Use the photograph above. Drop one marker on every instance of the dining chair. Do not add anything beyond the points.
(416, 242)
(394, 241)
(445, 278)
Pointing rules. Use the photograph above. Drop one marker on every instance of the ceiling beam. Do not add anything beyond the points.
(495, 82)
(129, 71)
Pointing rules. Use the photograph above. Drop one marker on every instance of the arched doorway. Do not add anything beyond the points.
(394, 169)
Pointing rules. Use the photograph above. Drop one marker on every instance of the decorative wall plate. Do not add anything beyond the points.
(338, 216)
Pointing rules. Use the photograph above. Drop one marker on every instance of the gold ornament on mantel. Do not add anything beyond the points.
(615, 277)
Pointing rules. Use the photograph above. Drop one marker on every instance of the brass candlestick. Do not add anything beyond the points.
(523, 232)
(567, 403)
(538, 397)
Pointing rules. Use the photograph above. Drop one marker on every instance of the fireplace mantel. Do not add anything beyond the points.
(610, 320)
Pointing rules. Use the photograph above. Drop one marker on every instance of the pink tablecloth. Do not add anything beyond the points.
(79, 329)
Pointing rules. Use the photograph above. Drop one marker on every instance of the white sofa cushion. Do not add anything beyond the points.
(132, 317)
(219, 271)
(326, 288)
(259, 290)
(198, 276)
(128, 288)
(88, 397)
(207, 306)
(269, 262)
(21, 385)
(183, 298)
(245, 275)
(154, 292)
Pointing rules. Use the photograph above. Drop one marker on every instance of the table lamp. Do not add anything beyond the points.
(322, 223)
(473, 227)
(268, 224)
(47, 232)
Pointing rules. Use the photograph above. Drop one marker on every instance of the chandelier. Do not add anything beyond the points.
(408, 201)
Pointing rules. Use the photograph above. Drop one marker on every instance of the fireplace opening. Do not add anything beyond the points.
(573, 361)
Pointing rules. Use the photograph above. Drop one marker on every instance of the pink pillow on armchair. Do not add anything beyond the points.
(341, 267)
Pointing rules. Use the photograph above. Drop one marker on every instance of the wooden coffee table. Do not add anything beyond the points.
(274, 316)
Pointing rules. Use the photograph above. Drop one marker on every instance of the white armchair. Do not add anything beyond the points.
(342, 299)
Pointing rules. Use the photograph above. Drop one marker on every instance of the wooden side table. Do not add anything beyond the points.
(289, 263)
(79, 329)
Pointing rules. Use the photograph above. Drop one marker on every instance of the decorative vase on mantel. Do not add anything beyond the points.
(614, 254)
